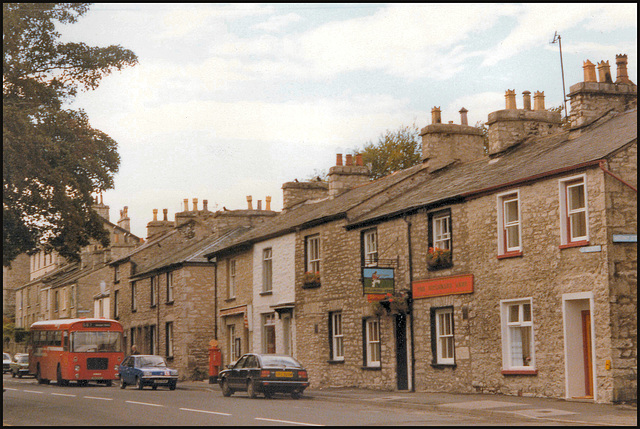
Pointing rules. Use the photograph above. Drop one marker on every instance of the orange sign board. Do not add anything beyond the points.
(443, 286)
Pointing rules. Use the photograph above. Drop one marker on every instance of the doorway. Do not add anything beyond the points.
(578, 341)
(402, 370)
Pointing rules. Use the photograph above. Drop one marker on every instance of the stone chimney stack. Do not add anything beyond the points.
(510, 99)
(463, 117)
(100, 208)
(267, 200)
(124, 222)
(435, 115)
(443, 144)
(158, 226)
(249, 205)
(345, 177)
(592, 99)
(538, 101)
(526, 100)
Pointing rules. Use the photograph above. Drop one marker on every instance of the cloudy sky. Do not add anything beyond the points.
(234, 100)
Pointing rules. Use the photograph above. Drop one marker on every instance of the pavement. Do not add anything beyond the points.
(569, 412)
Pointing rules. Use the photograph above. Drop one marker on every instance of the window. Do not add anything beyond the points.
(154, 291)
(269, 333)
(134, 301)
(574, 227)
(231, 285)
(64, 298)
(442, 336)
(116, 274)
(153, 340)
(170, 287)
(372, 342)
(440, 252)
(517, 335)
(442, 231)
(370, 247)
(233, 351)
(72, 296)
(337, 340)
(312, 250)
(56, 301)
(116, 308)
(267, 270)
(509, 243)
(169, 338)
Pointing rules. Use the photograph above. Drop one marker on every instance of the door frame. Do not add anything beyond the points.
(402, 352)
(571, 320)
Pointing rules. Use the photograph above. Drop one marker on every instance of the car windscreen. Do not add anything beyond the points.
(147, 361)
(5, 356)
(96, 341)
(23, 359)
(279, 361)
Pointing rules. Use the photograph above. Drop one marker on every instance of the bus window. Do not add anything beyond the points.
(65, 341)
(57, 340)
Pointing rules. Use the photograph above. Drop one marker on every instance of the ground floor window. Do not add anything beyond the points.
(517, 334)
(269, 333)
(372, 342)
(337, 339)
(442, 335)
(169, 338)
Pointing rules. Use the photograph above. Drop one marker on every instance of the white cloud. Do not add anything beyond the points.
(614, 17)
(277, 23)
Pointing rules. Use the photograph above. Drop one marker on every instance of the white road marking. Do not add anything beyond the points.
(102, 399)
(9, 388)
(32, 391)
(203, 411)
(64, 394)
(287, 421)
(144, 403)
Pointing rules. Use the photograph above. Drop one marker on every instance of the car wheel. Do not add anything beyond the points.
(154, 386)
(122, 383)
(251, 389)
(226, 390)
(13, 374)
(296, 395)
(19, 375)
(172, 385)
(139, 383)
(268, 394)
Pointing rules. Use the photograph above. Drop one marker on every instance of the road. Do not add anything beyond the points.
(27, 403)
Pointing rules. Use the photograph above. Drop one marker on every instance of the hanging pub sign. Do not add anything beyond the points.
(378, 280)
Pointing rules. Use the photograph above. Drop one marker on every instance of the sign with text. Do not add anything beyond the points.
(453, 285)
(378, 280)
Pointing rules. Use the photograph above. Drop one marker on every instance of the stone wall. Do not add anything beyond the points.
(296, 192)
(590, 100)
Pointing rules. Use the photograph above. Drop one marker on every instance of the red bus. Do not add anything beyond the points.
(75, 350)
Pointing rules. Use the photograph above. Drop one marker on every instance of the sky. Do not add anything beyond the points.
(231, 100)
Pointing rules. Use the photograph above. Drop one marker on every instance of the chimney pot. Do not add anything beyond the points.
(164, 214)
(538, 100)
(155, 215)
(195, 204)
(259, 205)
(205, 205)
(622, 75)
(186, 204)
(349, 159)
(267, 200)
(338, 159)
(604, 72)
(510, 99)
(463, 116)
(249, 205)
(526, 100)
(359, 159)
(589, 71)
(435, 115)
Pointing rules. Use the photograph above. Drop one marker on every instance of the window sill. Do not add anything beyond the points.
(519, 372)
(439, 267)
(334, 362)
(310, 285)
(574, 244)
(169, 302)
(371, 368)
(230, 299)
(510, 255)
(444, 365)
(268, 292)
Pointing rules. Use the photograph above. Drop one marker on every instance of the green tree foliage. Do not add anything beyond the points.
(53, 160)
(394, 151)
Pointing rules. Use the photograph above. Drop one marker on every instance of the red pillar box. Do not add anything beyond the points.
(215, 361)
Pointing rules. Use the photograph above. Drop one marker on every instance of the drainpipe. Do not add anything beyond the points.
(603, 168)
(413, 355)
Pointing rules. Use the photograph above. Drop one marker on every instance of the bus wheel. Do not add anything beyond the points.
(60, 380)
(39, 376)
(109, 383)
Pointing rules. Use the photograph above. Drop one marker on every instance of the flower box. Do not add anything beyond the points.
(438, 258)
(310, 280)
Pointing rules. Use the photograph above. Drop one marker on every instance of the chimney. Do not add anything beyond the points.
(100, 208)
(155, 226)
(604, 72)
(622, 76)
(338, 159)
(259, 207)
(359, 159)
(463, 116)
(510, 99)
(538, 100)
(435, 115)
(205, 205)
(124, 222)
(195, 204)
(294, 193)
(349, 159)
(526, 100)
(186, 204)
(342, 178)
(589, 71)
(267, 201)
(155, 215)
(249, 205)
(164, 214)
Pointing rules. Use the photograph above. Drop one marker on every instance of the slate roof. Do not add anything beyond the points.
(533, 157)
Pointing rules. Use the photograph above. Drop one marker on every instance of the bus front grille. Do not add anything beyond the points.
(97, 363)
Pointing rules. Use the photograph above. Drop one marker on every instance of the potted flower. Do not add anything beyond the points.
(438, 258)
(392, 303)
(311, 279)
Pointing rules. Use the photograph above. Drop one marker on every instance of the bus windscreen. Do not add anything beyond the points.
(96, 341)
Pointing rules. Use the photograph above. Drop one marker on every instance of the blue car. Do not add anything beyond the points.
(147, 370)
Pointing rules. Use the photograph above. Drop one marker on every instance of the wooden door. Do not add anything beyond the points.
(587, 352)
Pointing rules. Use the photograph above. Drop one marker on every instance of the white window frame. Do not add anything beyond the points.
(169, 338)
(370, 238)
(442, 236)
(444, 333)
(337, 337)
(154, 291)
(313, 253)
(503, 225)
(566, 213)
(372, 339)
(509, 342)
(268, 322)
(231, 284)
(267, 269)
(170, 286)
(231, 329)
(134, 297)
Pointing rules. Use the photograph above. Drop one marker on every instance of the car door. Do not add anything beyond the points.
(236, 373)
(128, 370)
(249, 368)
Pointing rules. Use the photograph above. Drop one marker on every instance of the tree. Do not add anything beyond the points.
(53, 160)
(394, 151)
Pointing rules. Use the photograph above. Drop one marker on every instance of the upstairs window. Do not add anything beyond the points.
(312, 250)
(574, 228)
(267, 270)
(370, 247)
(440, 250)
(134, 300)
(154, 291)
(509, 242)
(170, 286)
(442, 231)
(231, 281)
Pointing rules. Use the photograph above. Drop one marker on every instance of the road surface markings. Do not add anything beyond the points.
(64, 394)
(207, 412)
(96, 397)
(32, 391)
(10, 388)
(287, 421)
(144, 403)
